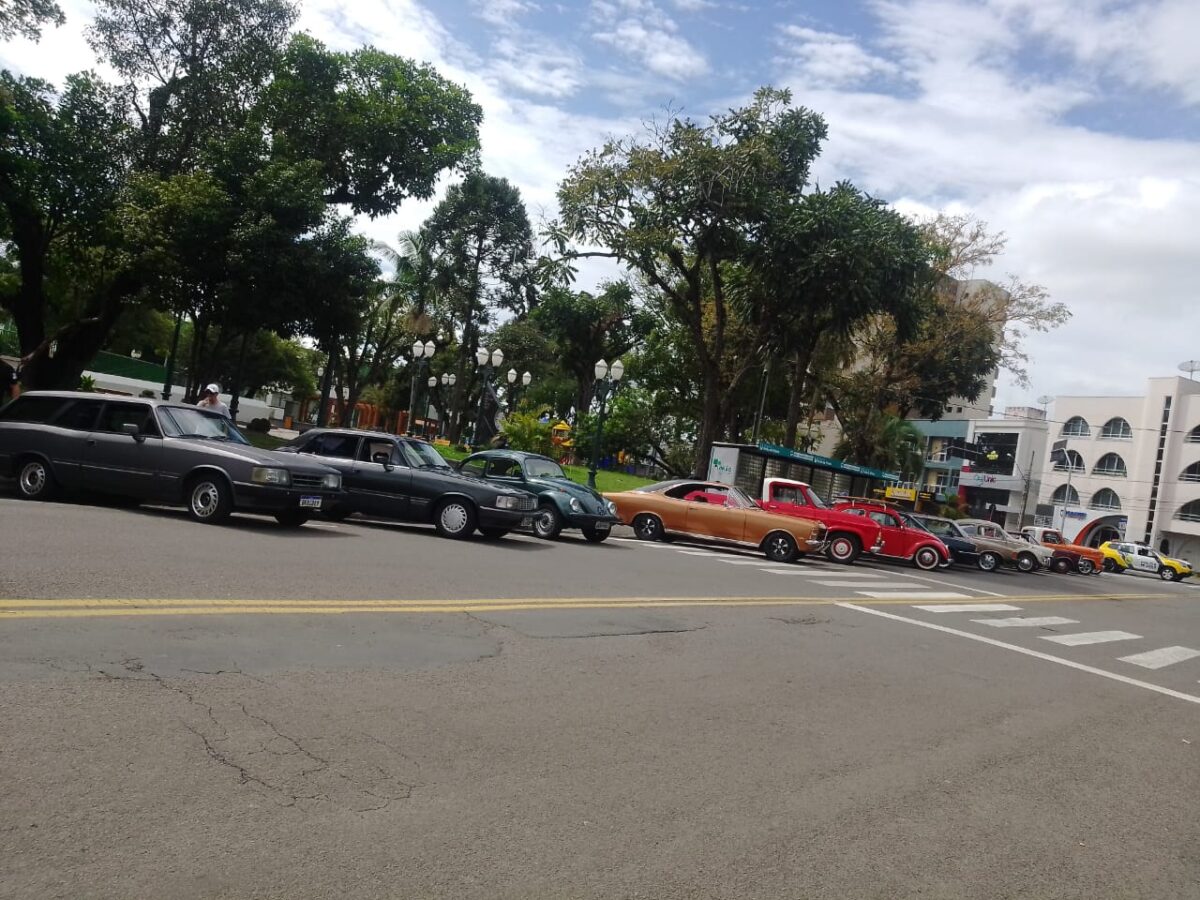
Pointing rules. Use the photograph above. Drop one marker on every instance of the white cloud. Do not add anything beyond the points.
(502, 12)
(694, 5)
(825, 59)
(642, 31)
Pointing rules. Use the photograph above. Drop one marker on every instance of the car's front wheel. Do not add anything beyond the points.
(291, 518)
(844, 548)
(989, 562)
(1167, 574)
(780, 547)
(35, 481)
(454, 519)
(648, 527)
(926, 559)
(594, 535)
(209, 499)
(547, 522)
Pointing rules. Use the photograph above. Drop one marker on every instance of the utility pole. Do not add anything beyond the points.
(1028, 480)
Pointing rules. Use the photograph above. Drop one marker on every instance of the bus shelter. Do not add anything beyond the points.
(747, 465)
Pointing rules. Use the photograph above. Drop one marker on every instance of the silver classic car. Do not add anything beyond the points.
(160, 452)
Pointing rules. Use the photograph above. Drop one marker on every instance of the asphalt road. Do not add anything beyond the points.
(367, 710)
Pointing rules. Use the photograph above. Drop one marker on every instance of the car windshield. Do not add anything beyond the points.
(737, 500)
(968, 530)
(940, 527)
(194, 423)
(423, 456)
(543, 468)
(913, 522)
(815, 500)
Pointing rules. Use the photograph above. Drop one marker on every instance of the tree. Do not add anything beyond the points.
(679, 206)
(63, 161)
(372, 347)
(588, 327)
(894, 445)
(383, 128)
(26, 17)
(482, 245)
(822, 265)
(1013, 308)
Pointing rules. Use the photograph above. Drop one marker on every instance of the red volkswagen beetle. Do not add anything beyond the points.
(901, 539)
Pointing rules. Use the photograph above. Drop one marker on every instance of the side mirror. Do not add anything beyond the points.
(382, 458)
(133, 431)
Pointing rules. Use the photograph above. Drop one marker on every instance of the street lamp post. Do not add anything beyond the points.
(607, 378)
(512, 389)
(449, 379)
(422, 353)
(488, 363)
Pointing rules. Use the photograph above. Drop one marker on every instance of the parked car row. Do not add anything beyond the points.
(156, 451)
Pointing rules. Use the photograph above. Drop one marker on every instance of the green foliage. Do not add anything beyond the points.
(26, 18)
(885, 442)
(525, 431)
(87, 384)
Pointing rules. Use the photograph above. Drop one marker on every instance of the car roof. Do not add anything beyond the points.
(515, 454)
(116, 398)
(361, 432)
(978, 522)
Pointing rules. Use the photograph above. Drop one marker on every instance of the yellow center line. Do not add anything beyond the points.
(117, 606)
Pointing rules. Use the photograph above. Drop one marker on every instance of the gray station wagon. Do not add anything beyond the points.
(142, 449)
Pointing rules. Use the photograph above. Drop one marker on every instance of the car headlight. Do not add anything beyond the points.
(611, 507)
(575, 505)
(268, 475)
(507, 502)
(333, 482)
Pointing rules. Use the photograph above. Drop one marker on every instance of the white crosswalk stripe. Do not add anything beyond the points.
(968, 607)
(915, 595)
(853, 584)
(861, 576)
(1161, 658)
(1026, 622)
(1090, 637)
(741, 562)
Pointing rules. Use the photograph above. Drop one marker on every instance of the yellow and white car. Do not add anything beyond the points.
(1146, 559)
(1114, 559)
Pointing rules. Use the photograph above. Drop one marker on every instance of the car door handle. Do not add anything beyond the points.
(91, 442)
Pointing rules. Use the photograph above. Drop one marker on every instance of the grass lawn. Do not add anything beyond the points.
(605, 481)
(263, 441)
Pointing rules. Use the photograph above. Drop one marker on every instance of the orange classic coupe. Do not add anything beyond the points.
(717, 512)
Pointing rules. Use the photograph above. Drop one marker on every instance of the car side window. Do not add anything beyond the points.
(80, 416)
(885, 519)
(474, 467)
(32, 409)
(502, 467)
(340, 446)
(785, 494)
(372, 447)
(853, 511)
(117, 415)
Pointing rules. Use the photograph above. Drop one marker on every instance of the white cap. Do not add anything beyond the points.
(213, 389)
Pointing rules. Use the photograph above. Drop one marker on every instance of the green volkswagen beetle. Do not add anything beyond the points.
(562, 503)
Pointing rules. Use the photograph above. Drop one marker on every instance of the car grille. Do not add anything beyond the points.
(527, 503)
(307, 481)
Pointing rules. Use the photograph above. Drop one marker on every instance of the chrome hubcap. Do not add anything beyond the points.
(33, 478)
(205, 498)
(987, 562)
(545, 522)
(454, 518)
(779, 547)
(647, 529)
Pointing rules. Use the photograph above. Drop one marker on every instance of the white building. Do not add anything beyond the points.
(1134, 467)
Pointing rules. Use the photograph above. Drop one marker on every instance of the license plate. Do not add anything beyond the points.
(603, 526)
(527, 522)
(310, 502)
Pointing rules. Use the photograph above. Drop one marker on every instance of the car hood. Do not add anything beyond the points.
(591, 500)
(833, 517)
(255, 456)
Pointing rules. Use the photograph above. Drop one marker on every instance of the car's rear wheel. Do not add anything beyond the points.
(493, 534)
(454, 519)
(989, 562)
(291, 518)
(844, 548)
(547, 522)
(35, 481)
(780, 547)
(648, 527)
(926, 559)
(1026, 562)
(1086, 567)
(1062, 565)
(1109, 565)
(594, 535)
(1166, 574)
(209, 499)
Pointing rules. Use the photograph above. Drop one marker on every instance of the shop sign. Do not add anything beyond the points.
(900, 493)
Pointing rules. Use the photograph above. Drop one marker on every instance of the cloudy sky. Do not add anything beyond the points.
(1071, 125)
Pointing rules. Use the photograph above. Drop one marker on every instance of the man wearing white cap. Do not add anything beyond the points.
(210, 400)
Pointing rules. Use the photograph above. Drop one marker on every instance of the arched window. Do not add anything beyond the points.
(1191, 473)
(1189, 512)
(1065, 495)
(1105, 498)
(1074, 462)
(1112, 465)
(1076, 426)
(1193, 436)
(1116, 430)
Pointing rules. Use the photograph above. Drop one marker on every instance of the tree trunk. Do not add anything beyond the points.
(799, 373)
(235, 388)
(710, 422)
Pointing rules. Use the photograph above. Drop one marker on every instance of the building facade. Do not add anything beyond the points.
(1002, 482)
(1132, 467)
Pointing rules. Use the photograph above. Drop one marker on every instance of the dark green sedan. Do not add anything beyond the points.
(562, 503)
